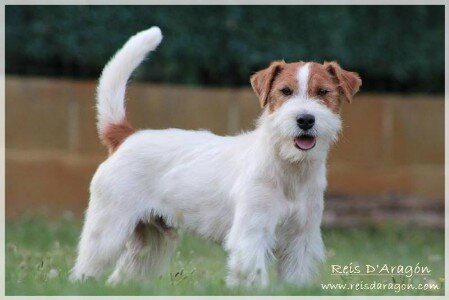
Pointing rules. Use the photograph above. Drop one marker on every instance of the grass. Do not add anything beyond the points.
(39, 254)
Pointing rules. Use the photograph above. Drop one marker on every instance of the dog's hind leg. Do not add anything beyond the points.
(147, 253)
(102, 240)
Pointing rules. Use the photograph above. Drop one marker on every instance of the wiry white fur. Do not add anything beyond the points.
(255, 192)
(303, 79)
(112, 85)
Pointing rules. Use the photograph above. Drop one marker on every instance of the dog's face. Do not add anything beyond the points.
(302, 103)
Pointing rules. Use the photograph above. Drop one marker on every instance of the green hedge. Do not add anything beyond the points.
(395, 48)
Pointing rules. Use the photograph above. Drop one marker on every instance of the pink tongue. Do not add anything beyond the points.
(305, 142)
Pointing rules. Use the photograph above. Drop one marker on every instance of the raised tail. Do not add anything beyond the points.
(112, 124)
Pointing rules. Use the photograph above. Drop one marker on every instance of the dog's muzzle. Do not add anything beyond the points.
(305, 141)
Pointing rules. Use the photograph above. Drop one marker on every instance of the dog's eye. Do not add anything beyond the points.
(286, 91)
(322, 92)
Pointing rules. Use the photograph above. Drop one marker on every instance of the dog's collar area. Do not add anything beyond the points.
(305, 142)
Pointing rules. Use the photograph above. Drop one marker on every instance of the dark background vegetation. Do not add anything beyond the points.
(395, 48)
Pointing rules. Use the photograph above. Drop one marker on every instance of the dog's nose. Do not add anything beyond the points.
(305, 121)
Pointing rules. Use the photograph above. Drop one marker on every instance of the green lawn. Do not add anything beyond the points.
(39, 254)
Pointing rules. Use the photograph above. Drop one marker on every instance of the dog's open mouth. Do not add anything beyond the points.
(305, 142)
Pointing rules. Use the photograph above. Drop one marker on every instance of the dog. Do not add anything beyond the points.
(259, 193)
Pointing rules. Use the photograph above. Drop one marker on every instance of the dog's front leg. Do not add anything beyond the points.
(300, 247)
(300, 256)
(250, 241)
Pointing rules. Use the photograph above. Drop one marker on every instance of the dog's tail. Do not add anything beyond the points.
(113, 126)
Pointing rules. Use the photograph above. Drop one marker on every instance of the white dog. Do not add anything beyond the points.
(259, 193)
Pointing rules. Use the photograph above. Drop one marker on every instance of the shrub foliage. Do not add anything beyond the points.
(395, 48)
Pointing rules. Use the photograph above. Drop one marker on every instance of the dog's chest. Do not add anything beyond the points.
(304, 205)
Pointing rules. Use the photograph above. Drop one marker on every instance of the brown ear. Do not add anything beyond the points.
(349, 82)
(262, 81)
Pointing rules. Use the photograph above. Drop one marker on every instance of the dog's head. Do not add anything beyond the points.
(302, 103)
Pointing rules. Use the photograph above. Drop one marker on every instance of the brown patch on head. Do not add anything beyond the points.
(115, 134)
(348, 82)
(327, 82)
(271, 83)
(262, 81)
(331, 84)
(321, 86)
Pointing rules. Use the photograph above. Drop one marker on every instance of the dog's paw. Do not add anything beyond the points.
(74, 277)
(250, 279)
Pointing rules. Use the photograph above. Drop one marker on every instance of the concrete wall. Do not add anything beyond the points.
(390, 143)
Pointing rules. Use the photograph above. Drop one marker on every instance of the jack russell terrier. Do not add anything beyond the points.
(259, 194)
